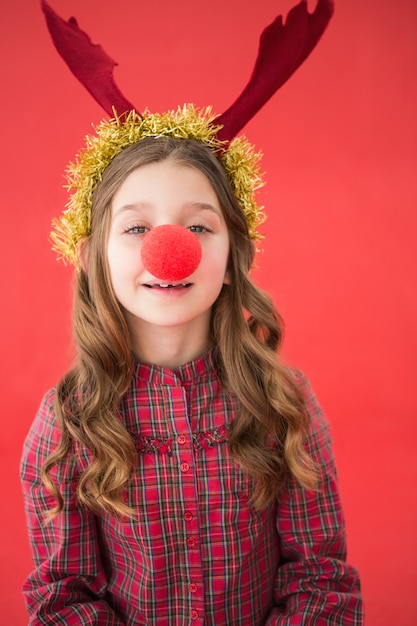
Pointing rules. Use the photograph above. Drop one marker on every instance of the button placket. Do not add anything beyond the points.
(192, 542)
(185, 459)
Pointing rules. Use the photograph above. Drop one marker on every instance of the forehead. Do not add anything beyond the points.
(167, 182)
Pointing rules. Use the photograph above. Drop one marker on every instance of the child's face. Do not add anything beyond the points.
(166, 193)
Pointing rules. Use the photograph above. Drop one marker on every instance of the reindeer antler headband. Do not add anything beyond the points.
(282, 49)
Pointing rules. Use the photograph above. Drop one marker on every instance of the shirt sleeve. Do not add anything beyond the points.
(67, 585)
(314, 583)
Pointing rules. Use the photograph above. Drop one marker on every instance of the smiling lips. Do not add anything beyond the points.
(168, 286)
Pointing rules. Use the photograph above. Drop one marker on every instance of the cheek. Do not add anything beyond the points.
(216, 262)
(123, 260)
(119, 274)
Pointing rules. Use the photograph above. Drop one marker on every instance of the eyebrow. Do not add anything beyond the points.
(145, 206)
(202, 206)
(132, 207)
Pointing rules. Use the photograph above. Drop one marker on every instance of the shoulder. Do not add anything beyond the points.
(44, 433)
(45, 419)
(313, 407)
(319, 439)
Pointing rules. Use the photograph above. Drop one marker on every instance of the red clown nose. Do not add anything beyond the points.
(170, 252)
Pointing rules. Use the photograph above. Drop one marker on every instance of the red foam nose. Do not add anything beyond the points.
(170, 252)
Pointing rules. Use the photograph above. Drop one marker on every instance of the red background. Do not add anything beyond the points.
(339, 258)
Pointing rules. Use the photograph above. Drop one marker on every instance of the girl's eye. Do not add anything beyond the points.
(200, 228)
(136, 230)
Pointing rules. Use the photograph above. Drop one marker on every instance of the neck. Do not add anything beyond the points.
(169, 347)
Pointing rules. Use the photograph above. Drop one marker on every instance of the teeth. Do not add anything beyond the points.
(168, 286)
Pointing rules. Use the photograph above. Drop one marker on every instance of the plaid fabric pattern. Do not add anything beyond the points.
(197, 553)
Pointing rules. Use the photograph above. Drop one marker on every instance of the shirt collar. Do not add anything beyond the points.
(157, 374)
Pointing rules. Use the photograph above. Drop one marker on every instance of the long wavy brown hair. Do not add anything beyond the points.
(267, 437)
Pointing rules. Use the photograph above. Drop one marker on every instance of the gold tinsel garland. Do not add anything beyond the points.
(239, 159)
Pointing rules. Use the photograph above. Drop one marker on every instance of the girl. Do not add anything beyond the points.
(179, 474)
(187, 475)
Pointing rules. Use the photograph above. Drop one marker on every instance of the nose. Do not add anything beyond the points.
(170, 252)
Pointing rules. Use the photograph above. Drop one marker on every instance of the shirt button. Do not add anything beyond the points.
(184, 467)
(191, 542)
(194, 614)
(188, 516)
(181, 439)
(192, 588)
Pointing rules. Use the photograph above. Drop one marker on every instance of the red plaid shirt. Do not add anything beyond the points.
(198, 553)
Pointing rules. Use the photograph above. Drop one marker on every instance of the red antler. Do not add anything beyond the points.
(88, 62)
(282, 49)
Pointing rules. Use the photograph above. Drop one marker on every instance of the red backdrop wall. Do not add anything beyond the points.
(339, 258)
